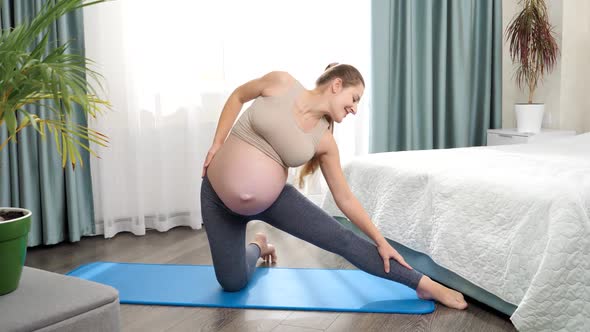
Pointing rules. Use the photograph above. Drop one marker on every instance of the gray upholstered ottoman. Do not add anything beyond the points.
(47, 301)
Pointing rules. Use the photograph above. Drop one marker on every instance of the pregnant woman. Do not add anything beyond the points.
(245, 174)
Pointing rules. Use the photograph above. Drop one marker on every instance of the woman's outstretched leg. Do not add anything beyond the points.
(295, 214)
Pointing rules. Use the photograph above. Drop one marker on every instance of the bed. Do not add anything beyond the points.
(511, 220)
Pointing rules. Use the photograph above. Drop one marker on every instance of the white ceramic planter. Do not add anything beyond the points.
(529, 117)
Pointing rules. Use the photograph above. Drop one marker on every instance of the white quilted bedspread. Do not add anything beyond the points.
(513, 220)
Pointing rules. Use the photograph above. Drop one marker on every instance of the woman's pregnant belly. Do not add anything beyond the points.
(244, 178)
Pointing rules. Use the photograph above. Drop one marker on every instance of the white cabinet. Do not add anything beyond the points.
(511, 136)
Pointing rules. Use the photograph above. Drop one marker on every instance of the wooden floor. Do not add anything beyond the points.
(185, 246)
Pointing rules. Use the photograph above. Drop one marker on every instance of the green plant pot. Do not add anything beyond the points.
(13, 249)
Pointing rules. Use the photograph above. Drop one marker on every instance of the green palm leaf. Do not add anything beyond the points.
(54, 80)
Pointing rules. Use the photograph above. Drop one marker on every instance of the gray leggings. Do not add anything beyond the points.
(292, 212)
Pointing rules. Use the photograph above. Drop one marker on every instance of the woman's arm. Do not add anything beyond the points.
(348, 203)
(344, 198)
(262, 86)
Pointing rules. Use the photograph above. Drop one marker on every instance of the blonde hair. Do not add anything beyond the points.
(350, 76)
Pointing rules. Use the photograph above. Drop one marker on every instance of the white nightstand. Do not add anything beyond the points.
(511, 136)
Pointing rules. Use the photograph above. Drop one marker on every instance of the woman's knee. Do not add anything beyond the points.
(232, 283)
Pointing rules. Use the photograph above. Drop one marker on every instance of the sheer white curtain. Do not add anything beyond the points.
(169, 68)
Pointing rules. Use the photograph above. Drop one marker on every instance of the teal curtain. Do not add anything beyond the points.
(31, 175)
(437, 73)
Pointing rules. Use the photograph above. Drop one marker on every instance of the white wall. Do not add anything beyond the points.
(575, 68)
(565, 91)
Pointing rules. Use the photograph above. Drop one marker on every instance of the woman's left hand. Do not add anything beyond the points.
(387, 252)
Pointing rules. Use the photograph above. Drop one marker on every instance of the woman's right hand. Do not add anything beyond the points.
(212, 151)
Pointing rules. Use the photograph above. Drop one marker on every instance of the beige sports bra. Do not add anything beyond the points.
(269, 125)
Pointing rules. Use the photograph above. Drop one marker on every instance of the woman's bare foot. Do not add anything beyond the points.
(432, 290)
(267, 250)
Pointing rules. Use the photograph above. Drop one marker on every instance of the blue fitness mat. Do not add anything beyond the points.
(269, 288)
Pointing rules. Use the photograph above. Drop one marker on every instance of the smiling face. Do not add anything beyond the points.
(345, 99)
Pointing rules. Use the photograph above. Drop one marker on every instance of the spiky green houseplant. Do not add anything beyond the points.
(534, 49)
(532, 44)
(57, 81)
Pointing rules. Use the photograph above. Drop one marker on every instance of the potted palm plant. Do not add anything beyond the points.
(54, 80)
(534, 48)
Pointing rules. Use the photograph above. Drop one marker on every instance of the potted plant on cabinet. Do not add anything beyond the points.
(30, 74)
(534, 48)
